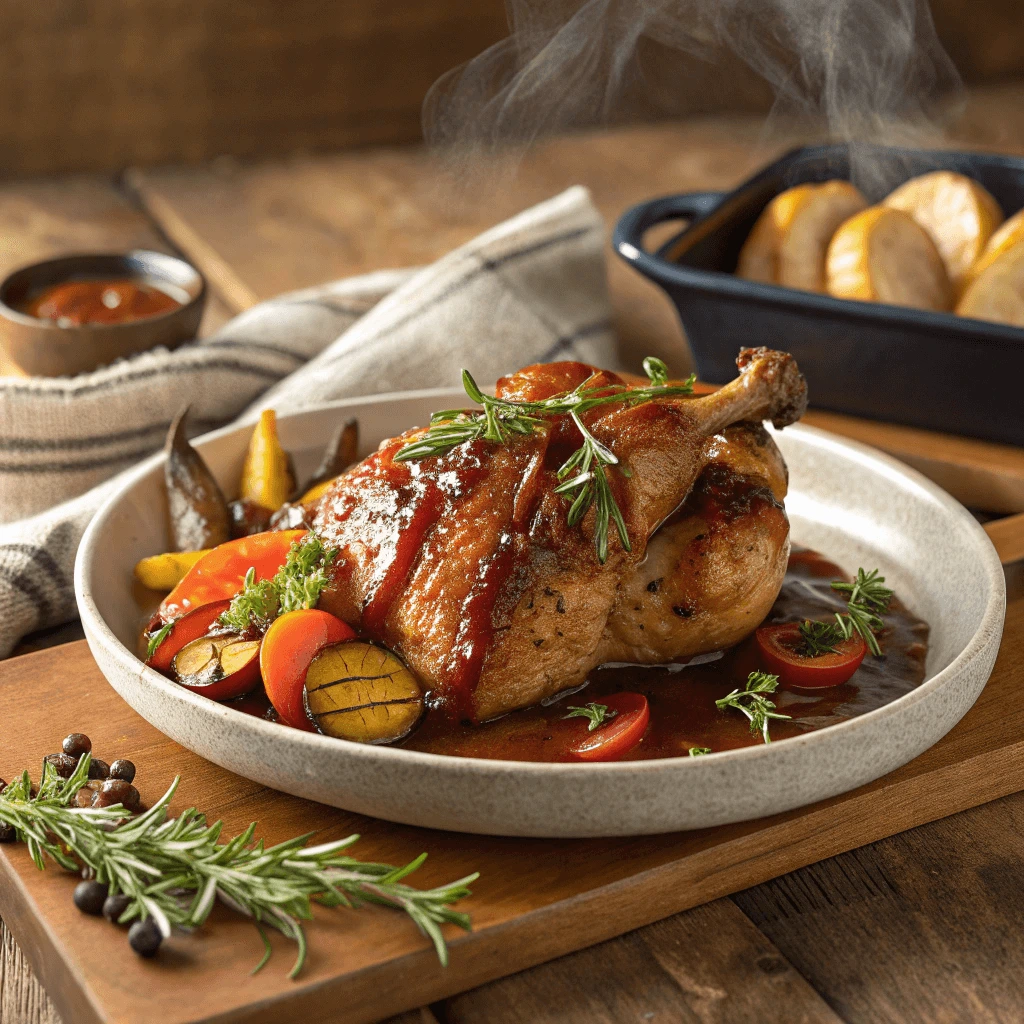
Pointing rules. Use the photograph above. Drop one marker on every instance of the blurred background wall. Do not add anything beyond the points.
(101, 84)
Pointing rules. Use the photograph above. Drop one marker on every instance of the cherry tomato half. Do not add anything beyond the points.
(616, 736)
(779, 647)
(220, 573)
(191, 626)
(290, 644)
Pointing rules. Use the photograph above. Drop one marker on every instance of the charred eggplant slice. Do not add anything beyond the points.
(358, 691)
(196, 507)
(341, 453)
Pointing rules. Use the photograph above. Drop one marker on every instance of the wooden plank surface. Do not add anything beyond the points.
(709, 965)
(172, 81)
(536, 901)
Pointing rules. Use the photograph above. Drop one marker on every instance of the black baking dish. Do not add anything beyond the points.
(922, 368)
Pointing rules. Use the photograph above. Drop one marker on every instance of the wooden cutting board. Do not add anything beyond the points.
(535, 899)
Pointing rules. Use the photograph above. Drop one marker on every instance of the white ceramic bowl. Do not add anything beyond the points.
(855, 505)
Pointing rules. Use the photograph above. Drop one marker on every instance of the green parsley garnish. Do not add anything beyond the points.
(584, 475)
(698, 751)
(751, 702)
(297, 584)
(597, 713)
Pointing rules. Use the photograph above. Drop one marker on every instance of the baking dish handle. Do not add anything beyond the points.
(628, 237)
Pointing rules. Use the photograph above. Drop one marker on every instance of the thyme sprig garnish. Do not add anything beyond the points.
(297, 584)
(752, 702)
(583, 477)
(175, 869)
(597, 713)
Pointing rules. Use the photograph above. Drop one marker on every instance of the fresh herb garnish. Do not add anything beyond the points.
(698, 751)
(175, 869)
(597, 713)
(584, 475)
(751, 702)
(154, 640)
(297, 584)
(868, 600)
(818, 638)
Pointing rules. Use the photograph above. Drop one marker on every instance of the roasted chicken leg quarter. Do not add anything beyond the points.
(464, 563)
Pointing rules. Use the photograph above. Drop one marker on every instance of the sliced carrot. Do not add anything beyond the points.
(220, 573)
(292, 642)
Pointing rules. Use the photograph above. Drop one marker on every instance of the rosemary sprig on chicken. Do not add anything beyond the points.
(584, 475)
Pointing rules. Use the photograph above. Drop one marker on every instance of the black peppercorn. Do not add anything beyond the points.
(7, 833)
(133, 800)
(90, 897)
(76, 745)
(99, 769)
(64, 764)
(123, 769)
(83, 798)
(145, 937)
(115, 906)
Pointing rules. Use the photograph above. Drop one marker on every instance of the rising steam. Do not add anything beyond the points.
(852, 69)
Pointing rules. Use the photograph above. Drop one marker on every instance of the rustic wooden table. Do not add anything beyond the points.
(924, 926)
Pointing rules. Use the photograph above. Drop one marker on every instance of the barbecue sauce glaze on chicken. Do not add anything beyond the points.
(464, 563)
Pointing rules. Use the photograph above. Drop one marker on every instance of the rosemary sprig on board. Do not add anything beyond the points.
(584, 475)
(175, 869)
(752, 702)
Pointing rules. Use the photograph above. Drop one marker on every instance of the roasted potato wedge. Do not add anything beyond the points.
(165, 572)
(958, 213)
(759, 257)
(1010, 232)
(884, 255)
(998, 292)
(788, 244)
(267, 475)
(196, 507)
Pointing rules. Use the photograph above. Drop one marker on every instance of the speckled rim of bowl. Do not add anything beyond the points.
(980, 646)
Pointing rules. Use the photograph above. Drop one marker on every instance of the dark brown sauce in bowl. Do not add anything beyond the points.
(682, 701)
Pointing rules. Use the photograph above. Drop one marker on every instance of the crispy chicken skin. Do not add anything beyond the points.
(464, 563)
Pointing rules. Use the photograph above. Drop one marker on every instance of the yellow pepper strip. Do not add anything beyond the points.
(317, 492)
(165, 572)
(266, 475)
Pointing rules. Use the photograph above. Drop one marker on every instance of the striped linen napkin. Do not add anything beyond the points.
(532, 289)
